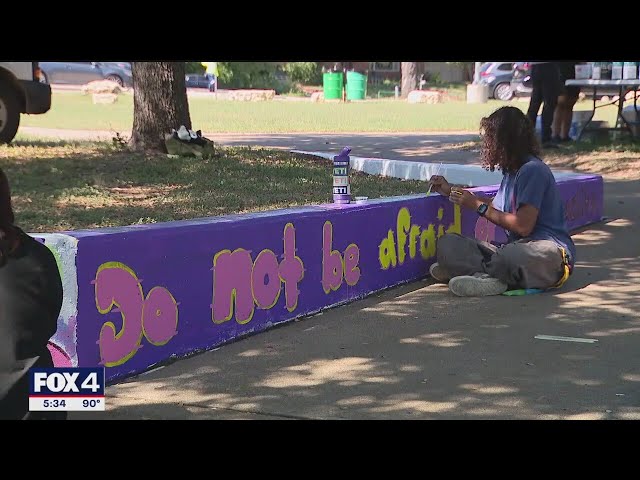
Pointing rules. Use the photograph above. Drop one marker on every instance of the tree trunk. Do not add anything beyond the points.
(159, 103)
(409, 77)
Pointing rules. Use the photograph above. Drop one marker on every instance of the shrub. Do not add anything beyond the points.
(262, 75)
(306, 73)
(194, 67)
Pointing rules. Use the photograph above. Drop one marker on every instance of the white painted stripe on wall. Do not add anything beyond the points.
(471, 175)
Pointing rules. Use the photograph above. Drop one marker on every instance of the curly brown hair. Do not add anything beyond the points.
(508, 138)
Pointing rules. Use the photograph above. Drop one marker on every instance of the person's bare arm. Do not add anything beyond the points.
(484, 198)
(522, 222)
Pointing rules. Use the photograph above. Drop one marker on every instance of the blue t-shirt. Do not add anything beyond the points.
(534, 184)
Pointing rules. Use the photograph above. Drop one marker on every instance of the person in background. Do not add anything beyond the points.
(539, 253)
(212, 74)
(563, 115)
(30, 303)
(545, 79)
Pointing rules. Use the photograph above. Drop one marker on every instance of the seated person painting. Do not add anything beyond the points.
(539, 253)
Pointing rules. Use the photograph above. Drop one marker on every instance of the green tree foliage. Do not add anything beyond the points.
(261, 75)
(194, 67)
(306, 73)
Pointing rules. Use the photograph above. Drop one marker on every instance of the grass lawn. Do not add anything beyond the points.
(72, 185)
(72, 110)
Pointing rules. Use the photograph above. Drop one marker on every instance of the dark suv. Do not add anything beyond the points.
(521, 79)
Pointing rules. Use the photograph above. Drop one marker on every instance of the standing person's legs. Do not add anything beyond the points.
(559, 118)
(550, 90)
(536, 94)
(565, 127)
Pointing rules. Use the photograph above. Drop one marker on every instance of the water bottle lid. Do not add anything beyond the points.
(344, 154)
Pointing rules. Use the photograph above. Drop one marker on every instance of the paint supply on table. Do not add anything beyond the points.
(616, 70)
(630, 71)
(583, 72)
(341, 180)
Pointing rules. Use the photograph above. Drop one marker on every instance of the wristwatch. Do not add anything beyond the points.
(482, 209)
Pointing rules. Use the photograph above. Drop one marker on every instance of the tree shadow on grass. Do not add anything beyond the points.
(66, 185)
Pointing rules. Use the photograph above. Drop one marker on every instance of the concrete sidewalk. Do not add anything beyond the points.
(418, 352)
(423, 146)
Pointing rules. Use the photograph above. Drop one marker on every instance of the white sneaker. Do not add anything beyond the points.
(478, 285)
(438, 273)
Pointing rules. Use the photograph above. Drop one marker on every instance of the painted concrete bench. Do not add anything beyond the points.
(140, 295)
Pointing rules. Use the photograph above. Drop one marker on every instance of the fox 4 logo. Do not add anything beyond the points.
(67, 381)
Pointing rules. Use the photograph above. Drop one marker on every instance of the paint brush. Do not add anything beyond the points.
(437, 173)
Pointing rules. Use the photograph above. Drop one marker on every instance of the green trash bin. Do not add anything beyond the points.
(356, 86)
(332, 85)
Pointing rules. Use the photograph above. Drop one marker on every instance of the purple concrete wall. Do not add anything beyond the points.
(151, 292)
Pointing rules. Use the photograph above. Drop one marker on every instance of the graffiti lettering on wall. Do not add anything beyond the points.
(244, 283)
(393, 248)
(240, 284)
(336, 266)
(154, 317)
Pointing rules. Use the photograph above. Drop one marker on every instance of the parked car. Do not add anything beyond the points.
(80, 73)
(497, 76)
(196, 80)
(119, 72)
(521, 79)
(21, 91)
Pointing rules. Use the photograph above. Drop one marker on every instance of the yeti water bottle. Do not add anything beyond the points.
(341, 183)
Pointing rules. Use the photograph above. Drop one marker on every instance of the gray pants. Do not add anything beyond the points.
(521, 264)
